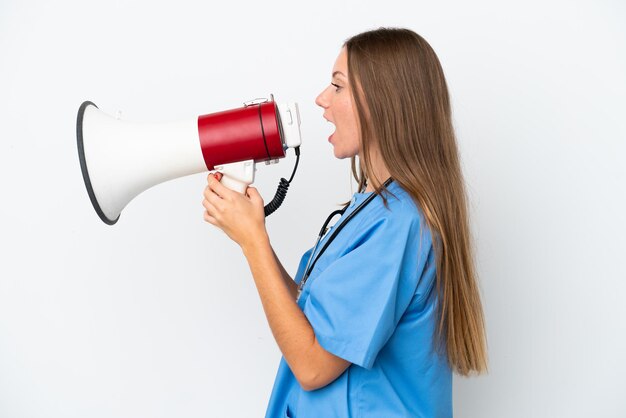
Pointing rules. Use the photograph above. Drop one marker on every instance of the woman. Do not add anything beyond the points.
(392, 306)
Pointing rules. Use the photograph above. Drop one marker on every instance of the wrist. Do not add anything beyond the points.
(256, 242)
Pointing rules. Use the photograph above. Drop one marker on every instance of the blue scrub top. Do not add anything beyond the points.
(372, 300)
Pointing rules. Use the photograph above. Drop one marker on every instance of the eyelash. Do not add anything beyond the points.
(337, 87)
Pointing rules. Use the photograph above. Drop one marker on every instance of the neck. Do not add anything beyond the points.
(380, 171)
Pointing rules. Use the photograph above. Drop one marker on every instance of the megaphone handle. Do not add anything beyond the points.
(237, 176)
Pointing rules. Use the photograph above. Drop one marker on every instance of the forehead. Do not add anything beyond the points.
(341, 64)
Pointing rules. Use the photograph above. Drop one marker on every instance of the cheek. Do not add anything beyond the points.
(347, 116)
(352, 119)
(352, 128)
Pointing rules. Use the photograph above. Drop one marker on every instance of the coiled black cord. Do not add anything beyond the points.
(281, 191)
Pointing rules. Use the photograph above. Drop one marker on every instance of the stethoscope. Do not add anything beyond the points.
(309, 266)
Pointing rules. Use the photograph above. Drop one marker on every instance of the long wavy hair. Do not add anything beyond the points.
(403, 108)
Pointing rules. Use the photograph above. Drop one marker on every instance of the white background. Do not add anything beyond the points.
(158, 315)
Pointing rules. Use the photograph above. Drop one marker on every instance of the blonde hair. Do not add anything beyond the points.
(403, 106)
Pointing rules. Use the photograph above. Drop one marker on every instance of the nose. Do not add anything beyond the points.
(321, 99)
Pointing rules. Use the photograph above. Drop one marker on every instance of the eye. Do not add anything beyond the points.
(337, 86)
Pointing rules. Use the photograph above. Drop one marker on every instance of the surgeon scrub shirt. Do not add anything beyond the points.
(372, 300)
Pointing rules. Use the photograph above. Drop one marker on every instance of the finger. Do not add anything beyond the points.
(218, 176)
(219, 189)
(210, 208)
(208, 218)
(213, 198)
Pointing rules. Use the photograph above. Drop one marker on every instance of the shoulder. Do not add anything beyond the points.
(400, 209)
(400, 219)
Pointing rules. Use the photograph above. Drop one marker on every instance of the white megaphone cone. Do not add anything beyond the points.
(121, 159)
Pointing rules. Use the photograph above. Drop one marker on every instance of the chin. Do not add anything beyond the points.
(341, 155)
(342, 151)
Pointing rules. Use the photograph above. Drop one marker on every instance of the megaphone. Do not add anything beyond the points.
(120, 159)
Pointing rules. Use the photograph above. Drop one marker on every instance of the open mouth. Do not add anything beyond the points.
(334, 128)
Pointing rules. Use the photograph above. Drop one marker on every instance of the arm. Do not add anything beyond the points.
(312, 366)
(291, 284)
(242, 218)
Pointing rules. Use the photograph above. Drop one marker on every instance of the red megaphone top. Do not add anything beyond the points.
(246, 133)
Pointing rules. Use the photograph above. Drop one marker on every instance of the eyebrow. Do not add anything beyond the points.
(339, 73)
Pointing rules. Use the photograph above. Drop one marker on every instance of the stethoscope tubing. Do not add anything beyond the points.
(309, 266)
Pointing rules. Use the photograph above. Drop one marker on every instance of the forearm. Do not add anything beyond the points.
(291, 284)
(291, 329)
(242, 219)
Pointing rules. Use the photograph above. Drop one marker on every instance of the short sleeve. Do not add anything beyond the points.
(302, 265)
(356, 302)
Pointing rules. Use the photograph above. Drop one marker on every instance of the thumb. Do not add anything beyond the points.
(253, 193)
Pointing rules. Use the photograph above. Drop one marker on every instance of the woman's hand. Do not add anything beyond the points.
(241, 217)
